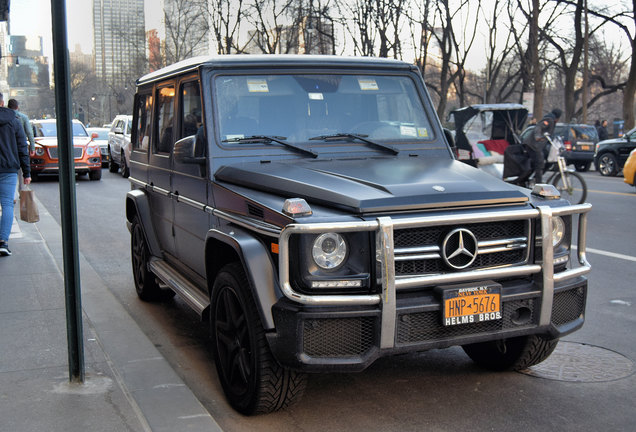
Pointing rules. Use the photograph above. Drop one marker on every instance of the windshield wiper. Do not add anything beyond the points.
(359, 137)
(268, 139)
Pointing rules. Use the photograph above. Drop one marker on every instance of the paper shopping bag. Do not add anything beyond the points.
(28, 207)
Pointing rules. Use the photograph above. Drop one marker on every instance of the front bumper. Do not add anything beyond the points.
(42, 167)
(347, 333)
(347, 338)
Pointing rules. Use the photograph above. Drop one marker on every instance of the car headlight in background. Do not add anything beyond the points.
(329, 251)
(92, 150)
(39, 151)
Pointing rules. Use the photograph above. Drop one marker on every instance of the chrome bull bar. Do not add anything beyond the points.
(384, 227)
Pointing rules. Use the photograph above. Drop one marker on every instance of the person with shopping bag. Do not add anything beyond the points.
(14, 155)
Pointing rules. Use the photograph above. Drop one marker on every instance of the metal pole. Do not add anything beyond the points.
(68, 206)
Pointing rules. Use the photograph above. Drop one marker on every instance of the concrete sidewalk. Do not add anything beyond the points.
(129, 385)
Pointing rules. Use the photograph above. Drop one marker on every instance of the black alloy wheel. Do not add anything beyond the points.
(145, 281)
(511, 354)
(253, 381)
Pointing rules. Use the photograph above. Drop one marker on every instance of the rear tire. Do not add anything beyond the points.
(582, 166)
(253, 381)
(145, 281)
(511, 354)
(112, 165)
(577, 191)
(125, 171)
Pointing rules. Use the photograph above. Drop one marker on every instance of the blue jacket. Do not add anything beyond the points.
(14, 151)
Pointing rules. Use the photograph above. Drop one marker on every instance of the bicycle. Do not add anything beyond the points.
(569, 183)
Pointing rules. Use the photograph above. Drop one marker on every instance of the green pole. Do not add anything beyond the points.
(68, 205)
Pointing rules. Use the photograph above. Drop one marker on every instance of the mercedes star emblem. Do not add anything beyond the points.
(459, 249)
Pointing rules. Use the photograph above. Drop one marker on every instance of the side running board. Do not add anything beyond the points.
(196, 299)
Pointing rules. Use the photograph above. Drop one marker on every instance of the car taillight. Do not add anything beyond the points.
(568, 145)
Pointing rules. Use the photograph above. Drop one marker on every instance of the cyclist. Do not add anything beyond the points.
(536, 142)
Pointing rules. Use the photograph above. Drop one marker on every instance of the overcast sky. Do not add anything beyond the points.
(33, 18)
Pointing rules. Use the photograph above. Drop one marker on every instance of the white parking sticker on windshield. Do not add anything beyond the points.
(257, 86)
(407, 131)
(367, 84)
(315, 96)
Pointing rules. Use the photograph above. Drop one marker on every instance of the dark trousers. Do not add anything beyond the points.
(538, 163)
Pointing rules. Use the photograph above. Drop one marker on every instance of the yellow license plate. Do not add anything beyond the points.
(584, 147)
(472, 304)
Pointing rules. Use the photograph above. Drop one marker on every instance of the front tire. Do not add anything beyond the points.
(95, 174)
(576, 192)
(511, 354)
(607, 165)
(253, 381)
(145, 281)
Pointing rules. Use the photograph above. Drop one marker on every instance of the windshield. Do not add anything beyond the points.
(301, 107)
(50, 130)
(102, 134)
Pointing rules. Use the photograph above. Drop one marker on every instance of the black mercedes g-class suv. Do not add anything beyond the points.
(311, 210)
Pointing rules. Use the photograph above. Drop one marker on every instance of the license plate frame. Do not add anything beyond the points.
(471, 303)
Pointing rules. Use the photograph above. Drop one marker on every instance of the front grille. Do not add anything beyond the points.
(340, 337)
(418, 251)
(53, 152)
(427, 326)
(568, 306)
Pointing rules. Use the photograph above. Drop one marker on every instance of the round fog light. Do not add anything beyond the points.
(329, 251)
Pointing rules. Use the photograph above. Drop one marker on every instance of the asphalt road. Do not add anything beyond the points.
(438, 390)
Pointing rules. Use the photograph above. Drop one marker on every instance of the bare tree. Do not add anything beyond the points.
(186, 30)
(226, 17)
(271, 34)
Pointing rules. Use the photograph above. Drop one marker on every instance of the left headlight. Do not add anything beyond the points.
(329, 251)
(558, 231)
(92, 150)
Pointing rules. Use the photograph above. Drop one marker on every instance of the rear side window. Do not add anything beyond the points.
(164, 120)
(144, 114)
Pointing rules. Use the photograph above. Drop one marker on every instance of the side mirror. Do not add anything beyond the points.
(184, 151)
(94, 135)
(118, 131)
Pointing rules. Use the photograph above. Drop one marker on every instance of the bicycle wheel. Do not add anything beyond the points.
(577, 190)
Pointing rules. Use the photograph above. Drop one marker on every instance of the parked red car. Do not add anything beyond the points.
(45, 159)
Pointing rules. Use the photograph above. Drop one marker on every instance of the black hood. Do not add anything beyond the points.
(6, 115)
(375, 185)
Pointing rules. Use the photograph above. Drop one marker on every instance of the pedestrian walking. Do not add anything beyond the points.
(28, 131)
(602, 131)
(14, 155)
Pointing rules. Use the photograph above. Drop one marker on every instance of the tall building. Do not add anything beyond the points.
(119, 41)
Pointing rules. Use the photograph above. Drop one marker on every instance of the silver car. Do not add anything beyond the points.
(119, 145)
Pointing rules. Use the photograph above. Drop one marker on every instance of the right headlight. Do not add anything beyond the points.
(329, 251)
(39, 151)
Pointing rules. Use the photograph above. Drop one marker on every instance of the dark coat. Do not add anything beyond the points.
(14, 150)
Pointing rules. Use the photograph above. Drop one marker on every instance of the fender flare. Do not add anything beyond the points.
(137, 204)
(256, 261)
